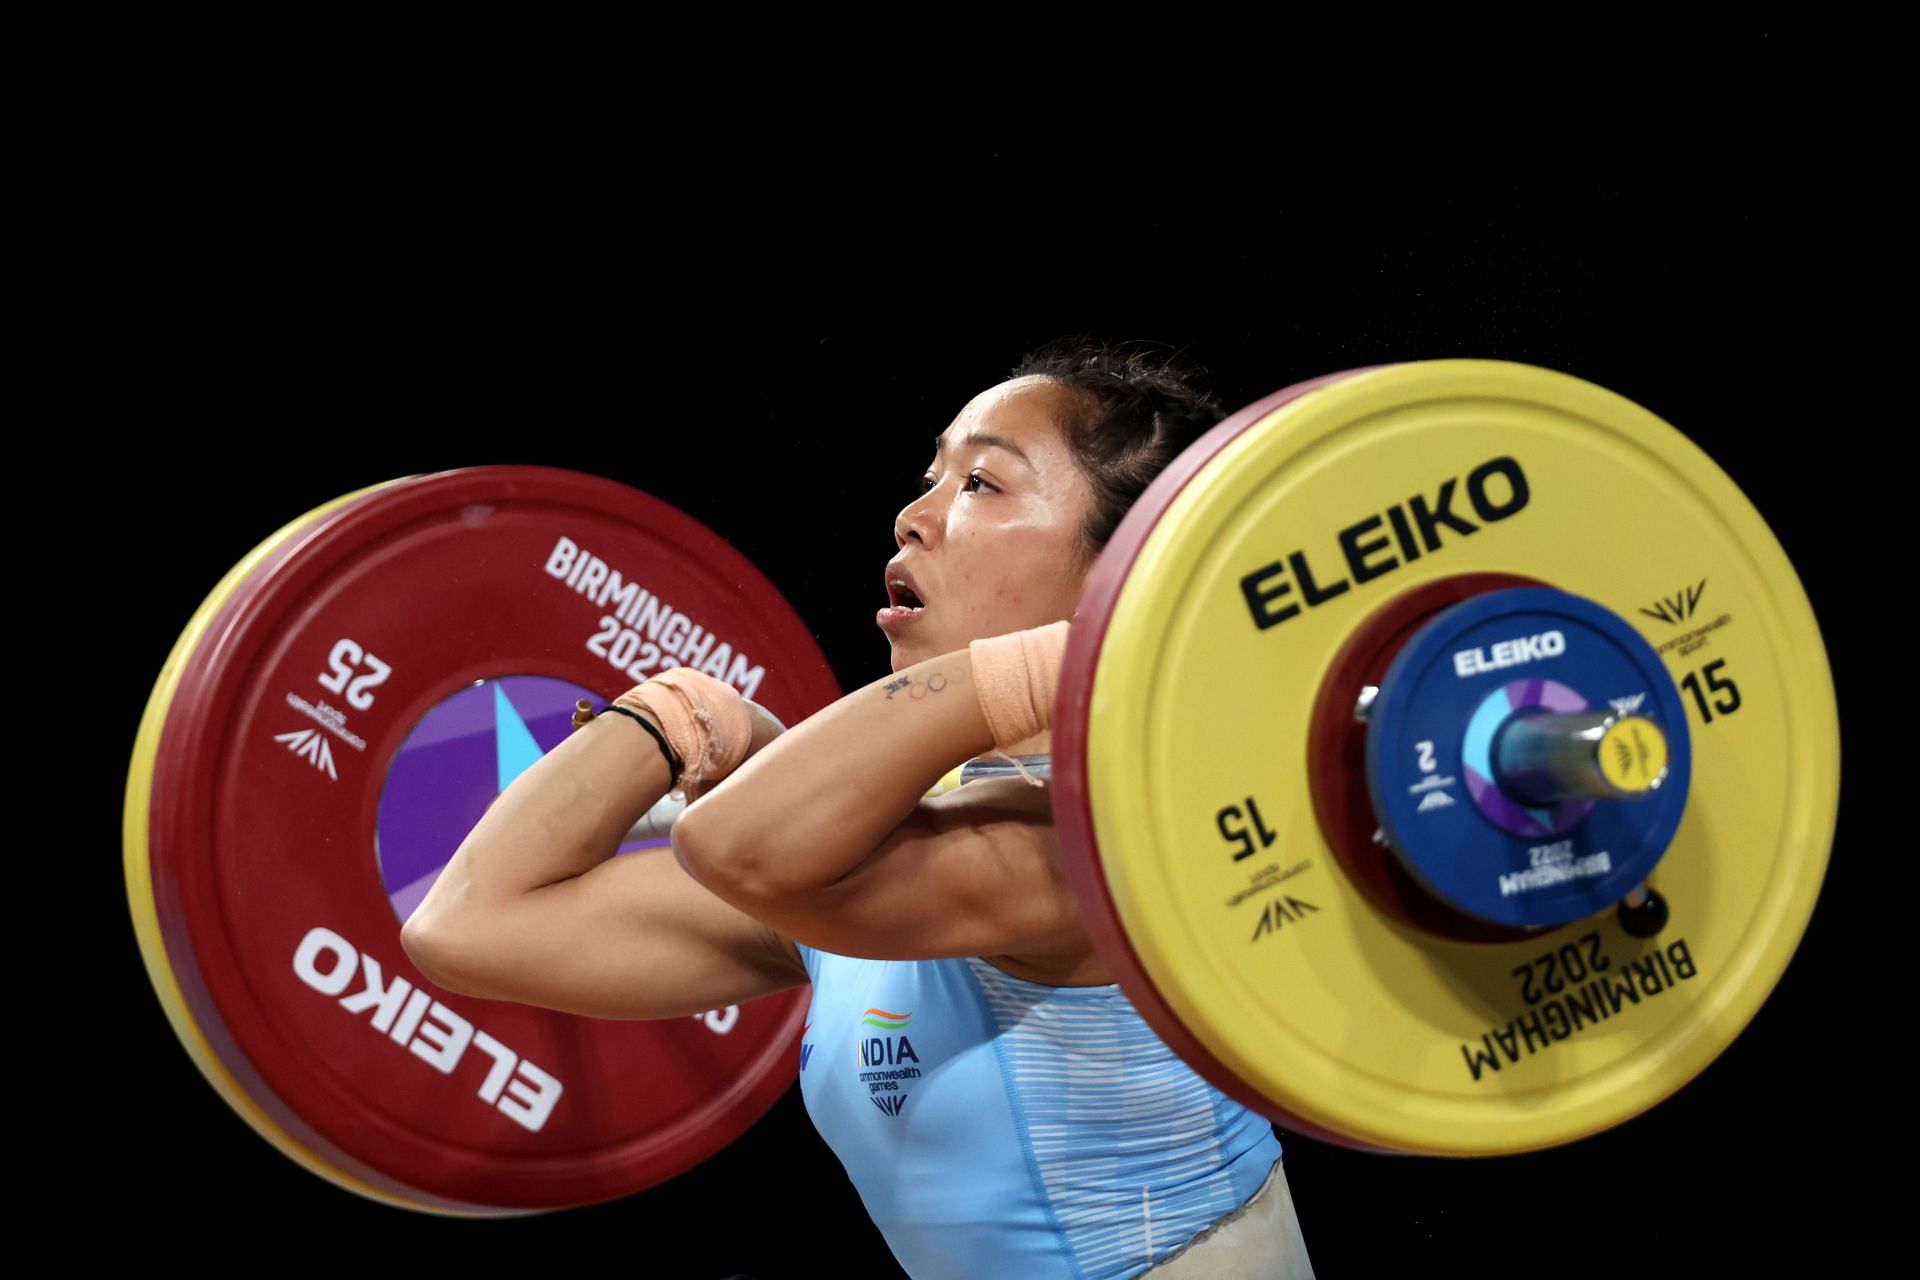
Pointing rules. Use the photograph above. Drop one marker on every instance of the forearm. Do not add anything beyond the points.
(810, 807)
(562, 817)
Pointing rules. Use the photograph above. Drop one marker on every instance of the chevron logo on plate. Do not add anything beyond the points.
(310, 745)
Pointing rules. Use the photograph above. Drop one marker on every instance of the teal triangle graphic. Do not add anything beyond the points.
(514, 749)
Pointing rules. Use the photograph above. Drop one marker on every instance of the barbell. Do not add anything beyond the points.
(1446, 761)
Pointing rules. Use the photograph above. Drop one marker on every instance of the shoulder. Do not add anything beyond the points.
(1018, 817)
(975, 872)
(995, 799)
(1009, 820)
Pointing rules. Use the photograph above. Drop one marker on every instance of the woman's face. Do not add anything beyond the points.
(993, 544)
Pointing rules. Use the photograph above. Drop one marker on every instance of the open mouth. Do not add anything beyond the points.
(902, 597)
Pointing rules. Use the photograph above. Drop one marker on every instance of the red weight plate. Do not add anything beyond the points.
(1072, 808)
(348, 716)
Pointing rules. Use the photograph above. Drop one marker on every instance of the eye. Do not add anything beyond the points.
(974, 477)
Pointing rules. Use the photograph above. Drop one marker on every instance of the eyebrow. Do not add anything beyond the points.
(982, 439)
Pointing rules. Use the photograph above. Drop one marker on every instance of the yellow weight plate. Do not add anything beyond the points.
(1238, 600)
(140, 892)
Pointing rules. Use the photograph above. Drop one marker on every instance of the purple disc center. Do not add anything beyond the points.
(454, 764)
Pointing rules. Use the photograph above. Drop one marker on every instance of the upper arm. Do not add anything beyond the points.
(635, 937)
(973, 872)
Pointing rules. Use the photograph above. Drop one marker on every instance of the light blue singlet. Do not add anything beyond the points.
(998, 1127)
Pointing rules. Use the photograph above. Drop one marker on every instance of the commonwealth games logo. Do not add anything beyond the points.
(887, 1061)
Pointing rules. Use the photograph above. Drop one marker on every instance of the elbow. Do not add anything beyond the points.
(732, 867)
(442, 935)
(423, 949)
(434, 954)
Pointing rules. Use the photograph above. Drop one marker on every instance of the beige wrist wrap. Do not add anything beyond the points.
(1016, 677)
(705, 720)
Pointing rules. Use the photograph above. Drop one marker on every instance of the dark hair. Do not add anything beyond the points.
(1136, 406)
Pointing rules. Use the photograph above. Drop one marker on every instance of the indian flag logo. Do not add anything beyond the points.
(886, 1021)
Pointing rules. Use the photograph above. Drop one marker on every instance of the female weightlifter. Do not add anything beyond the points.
(999, 1105)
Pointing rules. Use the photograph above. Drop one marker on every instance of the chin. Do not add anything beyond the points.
(906, 653)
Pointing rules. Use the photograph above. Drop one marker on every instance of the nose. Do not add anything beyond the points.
(918, 520)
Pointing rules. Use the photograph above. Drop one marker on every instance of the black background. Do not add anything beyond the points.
(803, 348)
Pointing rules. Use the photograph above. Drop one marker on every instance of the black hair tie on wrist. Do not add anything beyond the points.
(673, 761)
